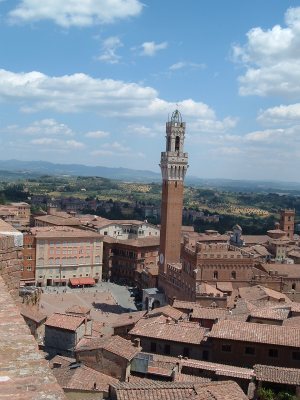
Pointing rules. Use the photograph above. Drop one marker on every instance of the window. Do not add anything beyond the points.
(177, 143)
(226, 348)
(215, 274)
(294, 286)
(28, 268)
(296, 355)
(153, 347)
(273, 353)
(186, 352)
(167, 349)
(233, 275)
(250, 350)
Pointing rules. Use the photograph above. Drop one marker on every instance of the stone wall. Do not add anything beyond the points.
(24, 374)
(10, 264)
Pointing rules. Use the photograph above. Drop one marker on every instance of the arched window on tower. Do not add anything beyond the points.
(216, 274)
(177, 143)
(233, 275)
(169, 144)
(294, 286)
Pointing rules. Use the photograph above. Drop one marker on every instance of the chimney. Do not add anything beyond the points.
(137, 343)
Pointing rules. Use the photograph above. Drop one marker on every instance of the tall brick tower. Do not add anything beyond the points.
(173, 164)
(287, 222)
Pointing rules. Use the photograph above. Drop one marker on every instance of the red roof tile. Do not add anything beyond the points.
(256, 333)
(181, 331)
(269, 373)
(65, 321)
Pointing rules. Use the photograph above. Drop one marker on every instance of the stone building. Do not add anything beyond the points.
(125, 260)
(17, 214)
(62, 253)
(112, 356)
(64, 331)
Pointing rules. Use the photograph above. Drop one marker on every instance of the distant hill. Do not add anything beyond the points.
(48, 168)
(15, 169)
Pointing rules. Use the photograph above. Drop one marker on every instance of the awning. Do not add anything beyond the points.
(82, 281)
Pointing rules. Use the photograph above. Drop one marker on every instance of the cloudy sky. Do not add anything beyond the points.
(93, 82)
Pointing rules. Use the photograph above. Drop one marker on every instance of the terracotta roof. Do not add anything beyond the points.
(90, 343)
(62, 232)
(277, 314)
(205, 288)
(209, 313)
(256, 333)
(78, 310)
(258, 292)
(62, 360)
(154, 390)
(185, 305)
(288, 270)
(181, 331)
(64, 321)
(229, 371)
(33, 314)
(269, 373)
(128, 319)
(256, 239)
(225, 286)
(121, 347)
(168, 311)
(293, 321)
(225, 390)
(77, 376)
(58, 220)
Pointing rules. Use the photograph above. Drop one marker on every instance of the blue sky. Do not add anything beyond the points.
(93, 82)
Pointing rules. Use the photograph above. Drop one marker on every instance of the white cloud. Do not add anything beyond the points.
(279, 136)
(97, 134)
(35, 91)
(151, 48)
(58, 144)
(78, 13)
(109, 48)
(142, 130)
(186, 64)
(280, 115)
(271, 59)
(117, 149)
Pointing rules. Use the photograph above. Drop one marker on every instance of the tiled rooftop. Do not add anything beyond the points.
(64, 321)
(209, 313)
(138, 390)
(256, 333)
(78, 310)
(226, 390)
(277, 314)
(168, 311)
(219, 369)
(62, 232)
(33, 314)
(121, 347)
(76, 376)
(128, 318)
(154, 390)
(161, 328)
(269, 373)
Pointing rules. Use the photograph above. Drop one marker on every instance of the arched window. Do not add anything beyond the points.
(216, 274)
(294, 286)
(233, 275)
(177, 143)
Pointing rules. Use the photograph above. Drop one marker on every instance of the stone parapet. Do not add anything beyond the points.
(24, 374)
(10, 264)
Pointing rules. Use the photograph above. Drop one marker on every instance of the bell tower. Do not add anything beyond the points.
(173, 164)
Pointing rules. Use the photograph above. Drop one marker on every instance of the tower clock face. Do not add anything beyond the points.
(161, 258)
